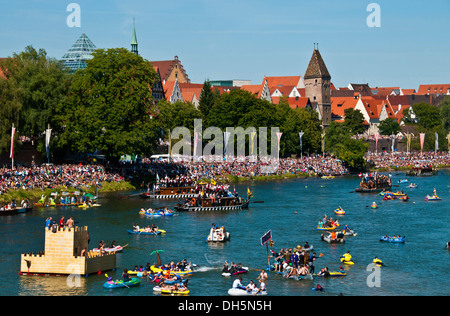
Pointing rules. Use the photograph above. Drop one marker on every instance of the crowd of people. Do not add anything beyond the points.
(51, 176)
(387, 160)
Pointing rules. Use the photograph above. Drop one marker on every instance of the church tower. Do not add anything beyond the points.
(134, 43)
(318, 87)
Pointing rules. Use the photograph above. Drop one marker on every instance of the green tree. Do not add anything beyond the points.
(34, 87)
(444, 108)
(389, 126)
(428, 116)
(354, 121)
(206, 100)
(109, 106)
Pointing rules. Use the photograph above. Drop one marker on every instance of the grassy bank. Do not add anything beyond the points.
(236, 179)
(35, 194)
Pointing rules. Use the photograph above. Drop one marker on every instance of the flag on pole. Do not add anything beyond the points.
(377, 136)
(279, 137)
(13, 132)
(436, 144)
(195, 143)
(267, 236)
(48, 132)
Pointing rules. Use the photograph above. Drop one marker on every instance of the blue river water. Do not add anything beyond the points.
(291, 210)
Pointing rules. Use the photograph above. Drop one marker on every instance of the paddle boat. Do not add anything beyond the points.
(218, 235)
(110, 284)
(432, 198)
(339, 211)
(392, 239)
(242, 292)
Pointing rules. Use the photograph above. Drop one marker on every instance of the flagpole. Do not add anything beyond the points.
(12, 147)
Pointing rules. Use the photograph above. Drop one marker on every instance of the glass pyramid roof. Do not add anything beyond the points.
(81, 50)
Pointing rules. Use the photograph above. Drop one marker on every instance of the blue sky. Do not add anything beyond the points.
(248, 39)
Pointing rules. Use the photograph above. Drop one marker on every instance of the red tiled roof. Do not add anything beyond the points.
(340, 104)
(434, 89)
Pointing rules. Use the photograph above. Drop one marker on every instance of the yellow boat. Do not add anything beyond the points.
(180, 273)
(178, 292)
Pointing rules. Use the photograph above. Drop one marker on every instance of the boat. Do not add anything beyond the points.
(218, 235)
(392, 239)
(171, 193)
(326, 228)
(15, 210)
(241, 292)
(175, 292)
(156, 213)
(332, 241)
(181, 273)
(227, 273)
(350, 232)
(374, 184)
(349, 262)
(432, 198)
(412, 186)
(339, 211)
(207, 204)
(143, 232)
(422, 171)
(114, 249)
(403, 181)
(337, 273)
(121, 284)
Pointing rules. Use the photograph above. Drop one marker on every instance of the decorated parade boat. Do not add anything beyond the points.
(422, 171)
(170, 193)
(374, 184)
(208, 204)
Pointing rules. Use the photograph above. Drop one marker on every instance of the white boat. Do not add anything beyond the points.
(115, 249)
(241, 292)
(218, 235)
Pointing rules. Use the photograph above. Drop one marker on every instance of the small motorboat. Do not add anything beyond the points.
(218, 235)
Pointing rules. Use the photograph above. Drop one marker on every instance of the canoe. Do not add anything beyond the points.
(122, 284)
(240, 292)
(140, 232)
(394, 240)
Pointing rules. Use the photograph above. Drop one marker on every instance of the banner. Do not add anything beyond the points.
(267, 236)
(436, 144)
(253, 143)
(301, 143)
(377, 136)
(226, 136)
(408, 143)
(13, 132)
(422, 139)
(48, 132)
(195, 143)
(279, 137)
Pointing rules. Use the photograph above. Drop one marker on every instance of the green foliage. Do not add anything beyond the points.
(354, 121)
(428, 115)
(389, 126)
(206, 100)
(109, 105)
(34, 87)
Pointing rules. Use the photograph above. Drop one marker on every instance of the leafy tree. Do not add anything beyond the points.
(34, 87)
(427, 115)
(444, 109)
(389, 126)
(206, 100)
(109, 105)
(354, 121)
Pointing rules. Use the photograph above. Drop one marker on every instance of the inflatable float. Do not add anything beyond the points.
(179, 272)
(339, 211)
(326, 228)
(432, 198)
(241, 292)
(121, 284)
(114, 249)
(143, 232)
(240, 271)
(332, 241)
(391, 239)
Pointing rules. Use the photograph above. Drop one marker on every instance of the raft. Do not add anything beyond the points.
(337, 273)
(177, 292)
(179, 272)
(432, 198)
(141, 232)
(326, 228)
(332, 241)
(121, 284)
(241, 292)
(115, 249)
(339, 211)
(394, 240)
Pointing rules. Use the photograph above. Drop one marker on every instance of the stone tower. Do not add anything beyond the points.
(318, 87)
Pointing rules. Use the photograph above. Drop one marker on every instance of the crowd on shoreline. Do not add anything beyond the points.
(51, 176)
(78, 175)
(407, 160)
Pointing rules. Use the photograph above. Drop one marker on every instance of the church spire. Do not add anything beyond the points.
(134, 42)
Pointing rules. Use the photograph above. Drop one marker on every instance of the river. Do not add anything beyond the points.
(291, 210)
